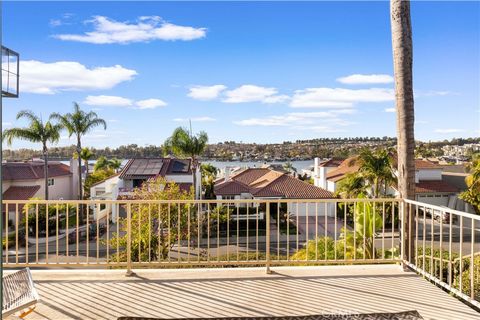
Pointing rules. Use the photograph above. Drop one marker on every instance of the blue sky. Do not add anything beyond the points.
(251, 72)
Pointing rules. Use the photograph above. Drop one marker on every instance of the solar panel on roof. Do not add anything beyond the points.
(145, 167)
(180, 166)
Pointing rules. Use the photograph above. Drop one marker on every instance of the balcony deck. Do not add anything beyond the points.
(108, 294)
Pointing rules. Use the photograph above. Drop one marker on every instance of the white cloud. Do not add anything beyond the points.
(148, 28)
(338, 97)
(206, 92)
(195, 119)
(366, 79)
(295, 119)
(150, 104)
(391, 110)
(109, 101)
(449, 130)
(253, 93)
(116, 101)
(6, 124)
(433, 93)
(50, 78)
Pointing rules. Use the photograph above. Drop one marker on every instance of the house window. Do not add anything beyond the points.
(51, 182)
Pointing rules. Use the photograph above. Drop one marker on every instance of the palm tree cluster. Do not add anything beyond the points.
(77, 123)
(374, 176)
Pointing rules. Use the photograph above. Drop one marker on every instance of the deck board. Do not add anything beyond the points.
(108, 294)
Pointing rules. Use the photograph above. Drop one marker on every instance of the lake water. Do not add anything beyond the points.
(299, 165)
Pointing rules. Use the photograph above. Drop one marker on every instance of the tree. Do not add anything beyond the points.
(107, 164)
(184, 143)
(79, 123)
(351, 186)
(36, 131)
(158, 227)
(472, 194)
(86, 154)
(376, 168)
(209, 174)
(114, 164)
(402, 65)
(288, 166)
(94, 177)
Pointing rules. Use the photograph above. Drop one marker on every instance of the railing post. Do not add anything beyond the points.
(129, 241)
(406, 243)
(267, 238)
(402, 233)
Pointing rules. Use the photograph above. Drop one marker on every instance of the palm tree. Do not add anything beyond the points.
(114, 164)
(376, 168)
(402, 65)
(104, 164)
(101, 163)
(351, 186)
(86, 155)
(37, 131)
(209, 174)
(288, 166)
(183, 143)
(79, 123)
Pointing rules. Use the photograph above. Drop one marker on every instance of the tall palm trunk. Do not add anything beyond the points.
(45, 169)
(79, 150)
(402, 63)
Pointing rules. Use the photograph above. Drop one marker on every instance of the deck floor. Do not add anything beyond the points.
(108, 294)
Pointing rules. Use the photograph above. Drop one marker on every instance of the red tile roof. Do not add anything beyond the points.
(250, 175)
(231, 187)
(331, 163)
(350, 165)
(33, 170)
(20, 192)
(266, 183)
(434, 186)
(291, 188)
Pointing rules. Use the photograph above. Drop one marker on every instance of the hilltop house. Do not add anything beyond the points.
(264, 183)
(139, 170)
(429, 186)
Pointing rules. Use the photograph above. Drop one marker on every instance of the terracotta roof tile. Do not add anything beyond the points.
(331, 163)
(434, 186)
(262, 182)
(350, 165)
(231, 187)
(20, 192)
(32, 170)
(249, 175)
(292, 188)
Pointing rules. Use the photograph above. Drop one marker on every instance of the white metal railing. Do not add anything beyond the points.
(439, 243)
(445, 248)
(130, 233)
